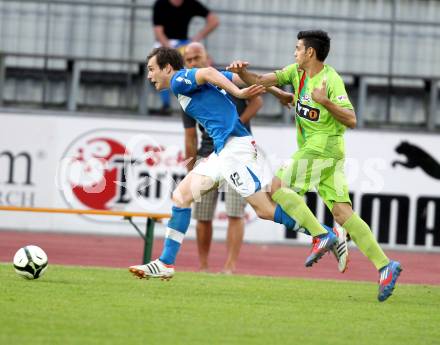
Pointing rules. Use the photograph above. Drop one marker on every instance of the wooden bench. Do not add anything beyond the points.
(148, 236)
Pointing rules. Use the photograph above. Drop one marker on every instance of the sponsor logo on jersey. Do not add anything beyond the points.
(342, 98)
(186, 81)
(306, 112)
(306, 98)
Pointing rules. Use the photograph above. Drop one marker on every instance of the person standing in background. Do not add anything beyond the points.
(171, 19)
(195, 55)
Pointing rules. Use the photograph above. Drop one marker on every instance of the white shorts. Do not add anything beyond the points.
(239, 164)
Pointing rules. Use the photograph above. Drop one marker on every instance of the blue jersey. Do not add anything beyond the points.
(208, 105)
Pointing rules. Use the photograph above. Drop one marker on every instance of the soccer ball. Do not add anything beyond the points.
(30, 262)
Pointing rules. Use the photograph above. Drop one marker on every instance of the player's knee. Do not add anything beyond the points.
(275, 185)
(341, 212)
(263, 213)
(180, 200)
(337, 214)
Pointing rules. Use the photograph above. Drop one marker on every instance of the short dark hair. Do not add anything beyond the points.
(165, 56)
(318, 40)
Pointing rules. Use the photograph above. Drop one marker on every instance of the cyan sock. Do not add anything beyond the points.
(282, 217)
(176, 230)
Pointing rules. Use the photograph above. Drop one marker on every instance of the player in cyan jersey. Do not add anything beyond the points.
(202, 93)
(323, 111)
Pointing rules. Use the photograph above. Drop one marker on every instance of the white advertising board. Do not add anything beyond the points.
(130, 164)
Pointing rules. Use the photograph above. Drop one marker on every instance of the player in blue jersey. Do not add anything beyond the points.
(202, 93)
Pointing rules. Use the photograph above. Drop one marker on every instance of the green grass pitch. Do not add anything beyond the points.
(78, 305)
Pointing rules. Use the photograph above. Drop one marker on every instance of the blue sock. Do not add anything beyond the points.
(176, 230)
(282, 217)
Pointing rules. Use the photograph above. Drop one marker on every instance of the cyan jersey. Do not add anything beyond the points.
(208, 105)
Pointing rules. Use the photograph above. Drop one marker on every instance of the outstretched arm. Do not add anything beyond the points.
(240, 67)
(268, 80)
(211, 75)
(285, 98)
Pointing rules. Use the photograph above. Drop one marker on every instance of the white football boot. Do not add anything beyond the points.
(340, 249)
(154, 269)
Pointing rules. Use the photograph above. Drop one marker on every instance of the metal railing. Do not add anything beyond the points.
(134, 16)
(360, 84)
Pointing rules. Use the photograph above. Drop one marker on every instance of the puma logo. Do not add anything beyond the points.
(417, 157)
